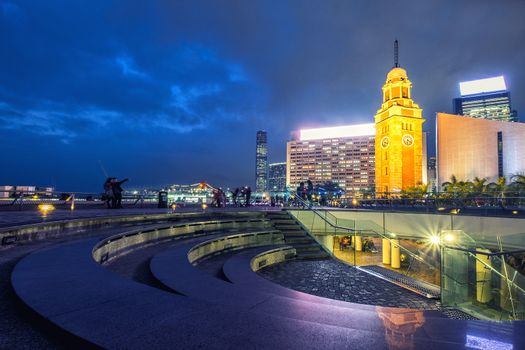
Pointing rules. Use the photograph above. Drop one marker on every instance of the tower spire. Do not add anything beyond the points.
(396, 53)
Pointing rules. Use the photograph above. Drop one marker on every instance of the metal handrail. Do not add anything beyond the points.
(308, 205)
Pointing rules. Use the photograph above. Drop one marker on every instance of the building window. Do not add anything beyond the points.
(500, 154)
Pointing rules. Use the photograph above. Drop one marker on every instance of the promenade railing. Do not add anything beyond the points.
(29, 199)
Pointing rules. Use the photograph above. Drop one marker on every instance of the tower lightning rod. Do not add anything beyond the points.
(396, 53)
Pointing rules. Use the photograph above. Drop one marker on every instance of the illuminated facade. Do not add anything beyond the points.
(261, 162)
(399, 136)
(277, 177)
(343, 155)
(471, 147)
(486, 99)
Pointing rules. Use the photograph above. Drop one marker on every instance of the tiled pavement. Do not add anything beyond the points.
(332, 279)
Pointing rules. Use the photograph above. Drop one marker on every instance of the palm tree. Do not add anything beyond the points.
(478, 185)
(450, 186)
(499, 186)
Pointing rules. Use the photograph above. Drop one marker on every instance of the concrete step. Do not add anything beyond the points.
(299, 240)
(290, 227)
(294, 233)
(308, 247)
(284, 221)
(312, 255)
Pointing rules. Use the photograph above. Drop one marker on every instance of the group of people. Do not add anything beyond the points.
(113, 192)
(305, 192)
(368, 244)
(241, 197)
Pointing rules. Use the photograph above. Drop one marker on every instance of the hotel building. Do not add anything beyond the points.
(343, 154)
(485, 99)
(472, 147)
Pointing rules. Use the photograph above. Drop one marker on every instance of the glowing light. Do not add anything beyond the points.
(455, 211)
(482, 85)
(354, 202)
(174, 206)
(337, 131)
(46, 208)
(449, 237)
(441, 209)
(514, 212)
(204, 205)
(35, 197)
(434, 239)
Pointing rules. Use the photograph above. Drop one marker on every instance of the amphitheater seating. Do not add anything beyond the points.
(68, 285)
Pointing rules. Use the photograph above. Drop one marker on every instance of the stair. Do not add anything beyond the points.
(294, 235)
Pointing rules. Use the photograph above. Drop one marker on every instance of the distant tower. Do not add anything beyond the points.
(399, 134)
(261, 162)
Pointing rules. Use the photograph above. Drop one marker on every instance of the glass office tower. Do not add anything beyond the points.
(485, 99)
(261, 162)
(277, 177)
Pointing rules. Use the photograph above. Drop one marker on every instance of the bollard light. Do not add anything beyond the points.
(45, 208)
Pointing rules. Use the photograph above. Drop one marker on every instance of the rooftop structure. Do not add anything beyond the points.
(486, 99)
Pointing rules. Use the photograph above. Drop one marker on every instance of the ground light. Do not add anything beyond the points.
(45, 208)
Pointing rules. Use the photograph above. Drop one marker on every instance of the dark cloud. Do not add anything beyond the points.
(173, 91)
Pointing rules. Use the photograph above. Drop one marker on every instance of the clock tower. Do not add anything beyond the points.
(399, 134)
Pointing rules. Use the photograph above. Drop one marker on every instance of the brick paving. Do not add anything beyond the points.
(332, 279)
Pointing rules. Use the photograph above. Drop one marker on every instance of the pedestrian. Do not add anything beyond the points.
(116, 187)
(248, 195)
(309, 190)
(235, 194)
(108, 192)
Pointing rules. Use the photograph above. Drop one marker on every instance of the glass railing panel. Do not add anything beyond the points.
(484, 285)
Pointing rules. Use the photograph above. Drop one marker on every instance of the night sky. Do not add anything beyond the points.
(174, 91)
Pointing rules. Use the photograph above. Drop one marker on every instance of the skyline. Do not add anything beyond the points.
(171, 93)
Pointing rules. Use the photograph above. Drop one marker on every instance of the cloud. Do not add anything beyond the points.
(128, 67)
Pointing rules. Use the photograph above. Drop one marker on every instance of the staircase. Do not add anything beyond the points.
(294, 235)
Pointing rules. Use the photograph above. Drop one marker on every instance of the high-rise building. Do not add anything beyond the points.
(432, 172)
(485, 99)
(277, 177)
(472, 147)
(399, 135)
(261, 162)
(343, 155)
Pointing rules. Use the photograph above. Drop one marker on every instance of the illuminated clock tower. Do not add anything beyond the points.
(399, 134)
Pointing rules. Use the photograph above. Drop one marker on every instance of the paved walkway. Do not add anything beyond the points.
(332, 279)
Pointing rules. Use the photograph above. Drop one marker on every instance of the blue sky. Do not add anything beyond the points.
(174, 91)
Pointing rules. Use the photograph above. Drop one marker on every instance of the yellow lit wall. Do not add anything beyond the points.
(399, 136)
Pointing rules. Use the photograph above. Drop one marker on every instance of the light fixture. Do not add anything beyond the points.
(449, 237)
(434, 239)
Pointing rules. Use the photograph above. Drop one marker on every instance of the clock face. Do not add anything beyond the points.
(385, 141)
(408, 140)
